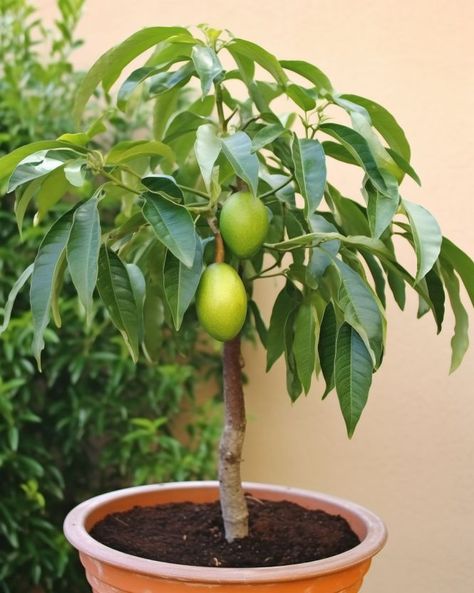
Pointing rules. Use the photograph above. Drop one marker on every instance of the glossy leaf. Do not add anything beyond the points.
(83, 252)
(426, 236)
(353, 375)
(286, 301)
(460, 339)
(129, 150)
(461, 262)
(404, 165)
(208, 66)
(23, 201)
(320, 257)
(180, 283)
(238, 150)
(117, 294)
(10, 161)
(163, 184)
(357, 145)
(339, 152)
(207, 148)
(53, 188)
(385, 123)
(360, 310)
(37, 165)
(138, 284)
(311, 73)
(16, 288)
(310, 171)
(304, 344)
(182, 124)
(259, 55)
(108, 67)
(327, 347)
(262, 331)
(435, 289)
(75, 172)
(173, 226)
(301, 97)
(381, 208)
(165, 81)
(133, 81)
(266, 135)
(45, 268)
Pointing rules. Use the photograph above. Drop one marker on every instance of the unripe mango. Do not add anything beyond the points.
(221, 301)
(244, 224)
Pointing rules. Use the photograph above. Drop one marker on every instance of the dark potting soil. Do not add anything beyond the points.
(186, 533)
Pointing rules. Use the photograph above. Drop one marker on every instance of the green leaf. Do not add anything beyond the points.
(39, 164)
(381, 208)
(311, 73)
(339, 152)
(426, 235)
(9, 162)
(163, 109)
(238, 150)
(83, 252)
(435, 289)
(267, 135)
(180, 283)
(320, 257)
(310, 171)
(460, 339)
(304, 344)
(208, 66)
(109, 66)
(259, 324)
(116, 292)
(353, 375)
(165, 81)
(129, 150)
(153, 315)
(360, 309)
(301, 97)
(385, 123)
(132, 83)
(163, 184)
(45, 269)
(293, 383)
(23, 201)
(377, 275)
(259, 55)
(53, 187)
(327, 347)
(7, 311)
(357, 145)
(138, 284)
(173, 225)
(461, 262)
(207, 149)
(75, 172)
(404, 165)
(286, 301)
(182, 124)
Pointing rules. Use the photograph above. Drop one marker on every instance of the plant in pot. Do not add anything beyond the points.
(226, 191)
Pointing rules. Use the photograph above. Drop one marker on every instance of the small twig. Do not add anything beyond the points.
(276, 189)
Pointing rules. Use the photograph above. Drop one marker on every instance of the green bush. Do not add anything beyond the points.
(81, 427)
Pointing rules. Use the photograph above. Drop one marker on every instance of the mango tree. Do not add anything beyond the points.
(226, 191)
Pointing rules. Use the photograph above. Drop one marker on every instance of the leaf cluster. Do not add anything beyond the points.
(218, 127)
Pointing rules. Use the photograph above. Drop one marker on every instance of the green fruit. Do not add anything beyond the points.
(244, 224)
(221, 302)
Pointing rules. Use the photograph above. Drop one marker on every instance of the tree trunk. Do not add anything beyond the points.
(233, 504)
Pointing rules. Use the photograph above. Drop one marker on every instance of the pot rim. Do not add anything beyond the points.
(78, 536)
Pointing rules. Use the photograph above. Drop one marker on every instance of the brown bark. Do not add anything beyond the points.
(233, 504)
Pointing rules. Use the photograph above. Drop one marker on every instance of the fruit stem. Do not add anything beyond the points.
(232, 498)
(219, 251)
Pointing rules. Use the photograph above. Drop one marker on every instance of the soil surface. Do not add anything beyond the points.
(186, 533)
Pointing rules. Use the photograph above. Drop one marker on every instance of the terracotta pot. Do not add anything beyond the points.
(109, 571)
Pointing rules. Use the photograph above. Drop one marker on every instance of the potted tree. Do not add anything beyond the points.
(226, 190)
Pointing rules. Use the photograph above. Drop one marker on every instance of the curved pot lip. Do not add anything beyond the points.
(77, 535)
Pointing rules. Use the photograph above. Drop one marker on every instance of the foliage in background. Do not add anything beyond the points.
(81, 427)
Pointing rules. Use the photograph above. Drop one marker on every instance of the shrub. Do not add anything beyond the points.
(80, 428)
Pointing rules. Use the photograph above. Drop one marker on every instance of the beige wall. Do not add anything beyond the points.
(411, 459)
